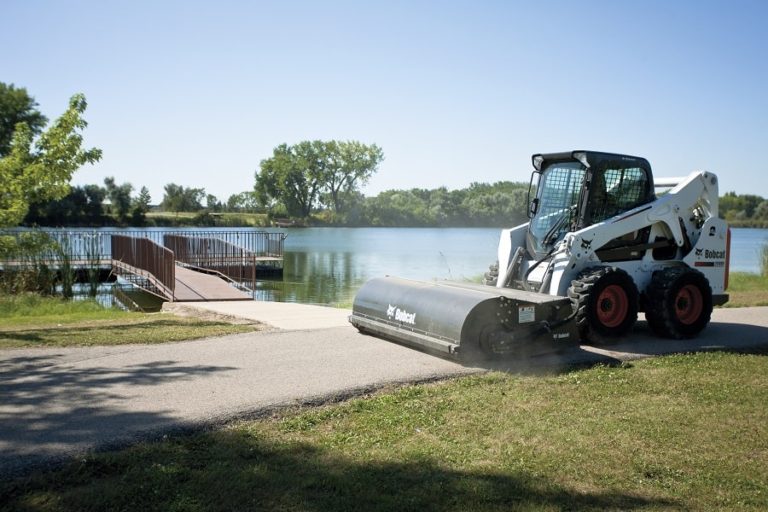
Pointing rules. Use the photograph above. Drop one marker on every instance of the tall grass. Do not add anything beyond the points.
(93, 245)
(35, 261)
(26, 264)
(764, 260)
(25, 305)
(63, 254)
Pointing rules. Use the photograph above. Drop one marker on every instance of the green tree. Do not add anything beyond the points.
(732, 203)
(311, 173)
(40, 168)
(761, 212)
(292, 177)
(400, 208)
(350, 165)
(17, 106)
(93, 210)
(212, 203)
(83, 206)
(120, 197)
(481, 204)
(143, 200)
(242, 202)
(498, 204)
(180, 199)
(140, 207)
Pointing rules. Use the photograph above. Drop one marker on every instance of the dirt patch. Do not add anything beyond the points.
(193, 312)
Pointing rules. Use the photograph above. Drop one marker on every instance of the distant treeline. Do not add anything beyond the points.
(744, 210)
(116, 205)
(481, 204)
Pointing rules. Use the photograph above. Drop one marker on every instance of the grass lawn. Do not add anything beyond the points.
(229, 219)
(175, 215)
(34, 321)
(684, 432)
(747, 289)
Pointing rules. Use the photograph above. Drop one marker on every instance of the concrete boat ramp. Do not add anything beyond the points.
(57, 403)
(278, 315)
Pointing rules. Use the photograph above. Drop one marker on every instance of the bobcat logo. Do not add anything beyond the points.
(699, 251)
(400, 315)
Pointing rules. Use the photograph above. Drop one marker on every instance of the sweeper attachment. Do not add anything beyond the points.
(600, 247)
(469, 321)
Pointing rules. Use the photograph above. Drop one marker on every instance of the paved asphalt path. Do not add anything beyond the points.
(58, 403)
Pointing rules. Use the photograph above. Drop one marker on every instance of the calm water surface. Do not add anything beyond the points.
(328, 265)
(746, 246)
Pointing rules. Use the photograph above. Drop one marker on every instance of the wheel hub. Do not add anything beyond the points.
(689, 304)
(612, 306)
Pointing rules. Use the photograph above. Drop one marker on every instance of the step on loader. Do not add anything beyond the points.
(599, 247)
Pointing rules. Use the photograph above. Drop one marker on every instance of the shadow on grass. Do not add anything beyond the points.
(49, 405)
(232, 470)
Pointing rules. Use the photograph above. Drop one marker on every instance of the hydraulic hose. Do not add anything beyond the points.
(530, 269)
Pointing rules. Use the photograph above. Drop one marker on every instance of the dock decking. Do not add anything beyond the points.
(193, 286)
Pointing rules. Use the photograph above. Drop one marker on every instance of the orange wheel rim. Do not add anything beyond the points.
(688, 304)
(612, 306)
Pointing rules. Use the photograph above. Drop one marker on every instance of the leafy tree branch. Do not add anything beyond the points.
(40, 168)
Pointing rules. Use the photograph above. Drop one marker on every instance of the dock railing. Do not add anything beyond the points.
(214, 254)
(143, 257)
(85, 244)
(235, 254)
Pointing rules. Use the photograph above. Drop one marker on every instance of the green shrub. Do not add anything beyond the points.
(764, 260)
(34, 305)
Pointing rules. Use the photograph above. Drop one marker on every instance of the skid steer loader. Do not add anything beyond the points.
(600, 246)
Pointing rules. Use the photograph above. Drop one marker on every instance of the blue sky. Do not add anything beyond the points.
(198, 93)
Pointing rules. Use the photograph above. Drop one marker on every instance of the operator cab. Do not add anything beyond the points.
(577, 189)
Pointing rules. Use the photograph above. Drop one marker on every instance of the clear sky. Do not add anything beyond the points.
(198, 93)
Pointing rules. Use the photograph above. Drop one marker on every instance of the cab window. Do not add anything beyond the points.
(618, 190)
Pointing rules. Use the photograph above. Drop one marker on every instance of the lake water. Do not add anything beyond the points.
(746, 247)
(328, 265)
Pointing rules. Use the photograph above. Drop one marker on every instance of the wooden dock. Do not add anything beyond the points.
(193, 286)
(179, 266)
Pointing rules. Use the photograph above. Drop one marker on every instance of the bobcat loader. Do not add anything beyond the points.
(600, 246)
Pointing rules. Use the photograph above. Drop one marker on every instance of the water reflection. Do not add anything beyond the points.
(328, 265)
(327, 278)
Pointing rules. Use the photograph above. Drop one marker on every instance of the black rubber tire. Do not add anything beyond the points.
(668, 303)
(585, 293)
(492, 276)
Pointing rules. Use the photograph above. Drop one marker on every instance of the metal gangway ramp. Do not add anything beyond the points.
(154, 268)
(195, 286)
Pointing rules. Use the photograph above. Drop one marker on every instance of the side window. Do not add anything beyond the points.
(617, 191)
(627, 186)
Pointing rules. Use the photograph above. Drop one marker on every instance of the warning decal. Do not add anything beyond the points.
(526, 314)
